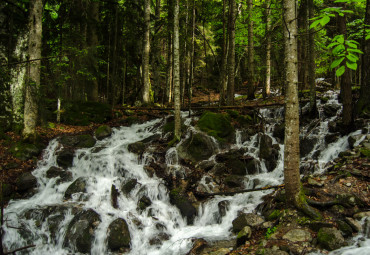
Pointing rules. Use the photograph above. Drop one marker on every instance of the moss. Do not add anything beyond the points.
(274, 215)
(233, 114)
(168, 127)
(217, 125)
(25, 151)
(84, 113)
(324, 100)
(365, 152)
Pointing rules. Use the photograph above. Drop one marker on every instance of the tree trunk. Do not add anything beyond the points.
(268, 49)
(191, 77)
(364, 101)
(251, 85)
(146, 52)
(311, 61)
(157, 63)
(33, 84)
(223, 87)
(176, 71)
(291, 143)
(231, 53)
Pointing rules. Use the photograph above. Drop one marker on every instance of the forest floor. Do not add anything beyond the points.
(340, 179)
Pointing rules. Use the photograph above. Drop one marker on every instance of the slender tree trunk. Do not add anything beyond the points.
(291, 143)
(251, 81)
(302, 44)
(231, 53)
(311, 61)
(268, 49)
(191, 78)
(146, 53)
(157, 63)
(33, 85)
(223, 87)
(114, 79)
(176, 71)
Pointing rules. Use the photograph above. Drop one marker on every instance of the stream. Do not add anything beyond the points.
(159, 229)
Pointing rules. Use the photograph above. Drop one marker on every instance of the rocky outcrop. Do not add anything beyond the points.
(78, 186)
(65, 158)
(246, 219)
(102, 132)
(118, 235)
(180, 200)
(54, 172)
(330, 238)
(26, 182)
(268, 152)
(137, 148)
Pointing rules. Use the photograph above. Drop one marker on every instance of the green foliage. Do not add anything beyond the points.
(84, 113)
(217, 125)
(270, 231)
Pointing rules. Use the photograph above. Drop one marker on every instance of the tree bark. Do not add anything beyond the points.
(291, 143)
(191, 77)
(157, 63)
(176, 71)
(231, 53)
(33, 84)
(268, 50)
(311, 61)
(251, 82)
(146, 53)
(223, 87)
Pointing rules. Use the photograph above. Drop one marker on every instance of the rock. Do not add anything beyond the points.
(298, 235)
(353, 139)
(118, 235)
(180, 200)
(7, 191)
(196, 148)
(25, 151)
(79, 185)
(268, 152)
(114, 196)
(223, 206)
(65, 158)
(246, 219)
(137, 148)
(243, 235)
(360, 215)
(152, 138)
(128, 186)
(219, 169)
(314, 182)
(80, 232)
(221, 251)
(306, 145)
(53, 224)
(344, 228)
(143, 203)
(330, 110)
(206, 165)
(159, 238)
(217, 125)
(271, 251)
(234, 181)
(330, 238)
(102, 132)
(79, 141)
(354, 224)
(331, 138)
(198, 246)
(53, 172)
(26, 182)
(317, 225)
(279, 131)
(235, 162)
(252, 166)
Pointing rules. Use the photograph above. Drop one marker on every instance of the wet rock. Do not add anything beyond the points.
(102, 132)
(298, 235)
(65, 158)
(360, 215)
(79, 185)
(246, 219)
(79, 141)
(268, 152)
(196, 148)
(25, 151)
(223, 206)
(252, 166)
(344, 228)
(114, 196)
(128, 186)
(137, 148)
(234, 181)
(118, 235)
(353, 139)
(54, 223)
(354, 224)
(243, 235)
(330, 110)
(330, 238)
(80, 231)
(143, 203)
(198, 246)
(279, 131)
(26, 182)
(306, 145)
(219, 169)
(186, 208)
(331, 138)
(152, 138)
(159, 238)
(54, 172)
(206, 165)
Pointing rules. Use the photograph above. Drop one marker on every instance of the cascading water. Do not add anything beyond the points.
(157, 228)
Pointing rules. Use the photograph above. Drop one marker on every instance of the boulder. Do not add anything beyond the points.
(330, 238)
(102, 132)
(234, 181)
(118, 235)
(114, 196)
(26, 182)
(143, 203)
(330, 110)
(353, 139)
(54, 172)
(306, 145)
(331, 138)
(268, 152)
(298, 235)
(186, 208)
(80, 232)
(79, 185)
(65, 158)
(243, 235)
(152, 138)
(128, 186)
(246, 219)
(137, 148)
(279, 131)
(79, 141)
(25, 151)
(345, 228)
(196, 148)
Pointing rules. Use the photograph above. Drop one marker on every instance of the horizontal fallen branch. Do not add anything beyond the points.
(20, 249)
(204, 195)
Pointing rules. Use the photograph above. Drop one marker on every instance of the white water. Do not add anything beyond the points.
(115, 165)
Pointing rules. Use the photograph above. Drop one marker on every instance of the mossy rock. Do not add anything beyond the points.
(365, 152)
(85, 141)
(7, 192)
(118, 235)
(274, 215)
(217, 125)
(26, 151)
(84, 113)
(330, 238)
(128, 186)
(233, 114)
(137, 148)
(102, 132)
(78, 186)
(26, 182)
(179, 199)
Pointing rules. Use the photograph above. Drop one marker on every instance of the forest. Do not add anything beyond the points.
(216, 100)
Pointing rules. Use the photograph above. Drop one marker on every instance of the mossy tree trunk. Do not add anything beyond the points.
(223, 79)
(311, 61)
(176, 70)
(231, 53)
(251, 85)
(146, 52)
(33, 84)
(266, 91)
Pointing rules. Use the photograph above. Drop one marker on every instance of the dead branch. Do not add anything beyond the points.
(204, 195)
(20, 249)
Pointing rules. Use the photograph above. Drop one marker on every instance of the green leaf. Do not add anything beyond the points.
(351, 65)
(315, 23)
(352, 57)
(325, 20)
(340, 39)
(367, 37)
(340, 71)
(332, 44)
(337, 50)
(355, 50)
(336, 62)
(352, 45)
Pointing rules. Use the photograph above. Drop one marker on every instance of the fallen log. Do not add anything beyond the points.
(231, 193)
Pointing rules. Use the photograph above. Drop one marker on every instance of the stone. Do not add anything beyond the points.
(279, 131)
(137, 148)
(25, 151)
(243, 235)
(330, 110)
(331, 138)
(298, 235)
(314, 182)
(128, 186)
(54, 172)
(152, 138)
(143, 203)
(306, 145)
(234, 181)
(355, 225)
(65, 158)
(118, 235)
(345, 228)
(79, 185)
(353, 139)
(246, 219)
(26, 182)
(268, 152)
(186, 208)
(330, 238)
(360, 215)
(102, 132)
(80, 232)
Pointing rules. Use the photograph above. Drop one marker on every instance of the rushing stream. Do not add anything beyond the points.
(110, 163)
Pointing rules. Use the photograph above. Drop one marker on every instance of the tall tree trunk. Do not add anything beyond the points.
(268, 50)
(191, 77)
(345, 82)
(176, 71)
(311, 61)
(364, 101)
(302, 45)
(251, 81)
(291, 143)
(223, 87)
(231, 53)
(33, 84)
(157, 63)
(146, 53)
